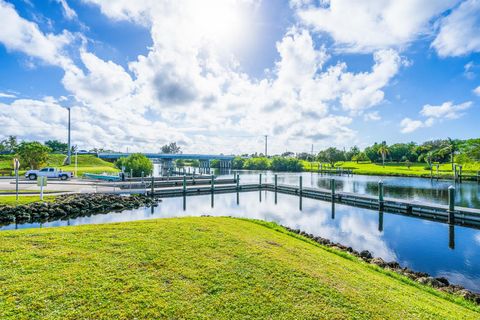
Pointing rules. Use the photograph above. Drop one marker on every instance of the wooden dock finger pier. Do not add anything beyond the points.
(438, 212)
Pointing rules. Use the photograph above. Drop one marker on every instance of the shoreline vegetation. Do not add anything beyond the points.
(218, 267)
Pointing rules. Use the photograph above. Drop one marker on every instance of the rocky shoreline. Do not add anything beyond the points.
(439, 283)
(73, 206)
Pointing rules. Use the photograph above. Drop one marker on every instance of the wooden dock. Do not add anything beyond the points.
(438, 212)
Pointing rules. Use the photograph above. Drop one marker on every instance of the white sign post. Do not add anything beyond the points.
(16, 167)
(41, 182)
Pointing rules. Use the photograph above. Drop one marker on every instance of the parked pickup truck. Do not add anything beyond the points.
(49, 173)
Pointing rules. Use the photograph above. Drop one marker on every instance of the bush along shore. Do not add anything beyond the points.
(439, 283)
(73, 206)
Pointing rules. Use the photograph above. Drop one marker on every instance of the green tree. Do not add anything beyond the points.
(171, 148)
(331, 155)
(238, 163)
(259, 163)
(32, 154)
(353, 152)
(383, 151)
(361, 157)
(57, 146)
(286, 164)
(9, 144)
(137, 163)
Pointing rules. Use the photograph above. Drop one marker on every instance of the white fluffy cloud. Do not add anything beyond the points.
(458, 33)
(446, 110)
(477, 91)
(186, 89)
(19, 34)
(408, 125)
(372, 24)
(68, 12)
(105, 81)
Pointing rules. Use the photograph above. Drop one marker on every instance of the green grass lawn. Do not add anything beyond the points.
(11, 200)
(86, 164)
(396, 169)
(200, 268)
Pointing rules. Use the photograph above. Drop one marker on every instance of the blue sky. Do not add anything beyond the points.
(217, 75)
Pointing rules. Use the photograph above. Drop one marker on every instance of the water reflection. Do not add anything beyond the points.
(436, 248)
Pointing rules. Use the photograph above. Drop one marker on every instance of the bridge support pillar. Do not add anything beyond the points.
(166, 166)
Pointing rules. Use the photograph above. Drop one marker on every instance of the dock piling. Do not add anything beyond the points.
(184, 184)
(451, 204)
(238, 181)
(380, 194)
(153, 186)
(332, 187)
(213, 183)
(300, 188)
(260, 180)
(276, 182)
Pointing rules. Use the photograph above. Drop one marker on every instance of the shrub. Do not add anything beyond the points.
(286, 164)
(137, 163)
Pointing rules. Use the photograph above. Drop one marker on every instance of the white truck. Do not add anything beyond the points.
(49, 173)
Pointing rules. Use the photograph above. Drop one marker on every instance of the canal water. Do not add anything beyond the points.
(467, 194)
(422, 245)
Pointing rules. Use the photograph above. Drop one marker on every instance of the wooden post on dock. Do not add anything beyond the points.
(451, 204)
(460, 173)
(332, 187)
(455, 173)
(213, 183)
(238, 182)
(380, 194)
(260, 180)
(184, 184)
(153, 186)
(276, 181)
(300, 186)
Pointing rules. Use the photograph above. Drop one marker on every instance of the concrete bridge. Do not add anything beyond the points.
(166, 159)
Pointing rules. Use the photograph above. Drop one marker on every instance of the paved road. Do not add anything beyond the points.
(73, 185)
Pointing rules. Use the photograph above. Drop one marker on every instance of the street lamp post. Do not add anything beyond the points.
(76, 162)
(69, 152)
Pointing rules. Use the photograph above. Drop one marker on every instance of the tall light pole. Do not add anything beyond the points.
(266, 145)
(69, 152)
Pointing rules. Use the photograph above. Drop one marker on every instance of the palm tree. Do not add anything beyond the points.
(383, 151)
(453, 148)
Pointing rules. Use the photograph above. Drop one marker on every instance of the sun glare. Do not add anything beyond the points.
(224, 22)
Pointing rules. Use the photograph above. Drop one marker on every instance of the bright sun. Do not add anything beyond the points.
(224, 22)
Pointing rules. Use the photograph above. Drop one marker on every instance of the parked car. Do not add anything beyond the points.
(49, 173)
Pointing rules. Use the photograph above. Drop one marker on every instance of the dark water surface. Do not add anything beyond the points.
(432, 247)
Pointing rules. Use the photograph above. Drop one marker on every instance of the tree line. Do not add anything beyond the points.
(434, 151)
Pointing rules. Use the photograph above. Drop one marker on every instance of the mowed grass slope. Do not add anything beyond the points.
(216, 268)
(85, 164)
(396, 169)
(22, 199)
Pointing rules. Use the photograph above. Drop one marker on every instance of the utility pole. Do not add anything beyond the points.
(266, 145)
(69, 152)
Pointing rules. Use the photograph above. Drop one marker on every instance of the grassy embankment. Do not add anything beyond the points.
(12, 201)
(86, 164)
(217, 268)
(396, 169)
